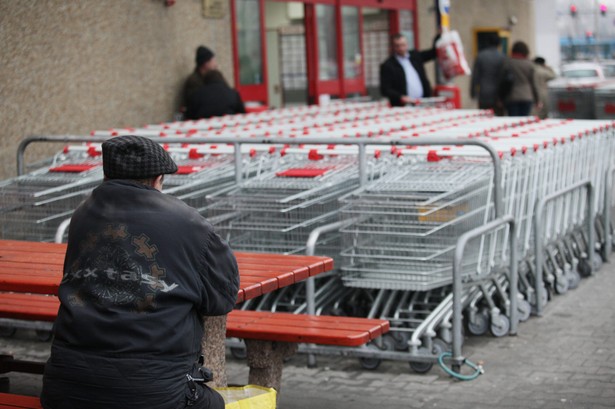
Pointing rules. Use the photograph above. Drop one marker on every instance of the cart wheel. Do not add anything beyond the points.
(583, 268)
(421, 367)
(480, 324)
(371, 363)
(500, 326)
(561, 285)
(524, 309)
(7, 331)
(43, 335)
(239, 352)
(401, 340)
(597, 261)
(573, 279)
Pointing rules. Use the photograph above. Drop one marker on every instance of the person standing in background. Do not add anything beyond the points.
(486, 74)
(517, 82)
(205, 61)
(542, 74)
(402, 76)
(214, 98)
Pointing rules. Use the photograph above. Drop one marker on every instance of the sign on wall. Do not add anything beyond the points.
(213, 8)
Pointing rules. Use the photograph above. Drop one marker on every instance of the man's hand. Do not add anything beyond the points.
(406, 100)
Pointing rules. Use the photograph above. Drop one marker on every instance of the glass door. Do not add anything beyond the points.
(249, 50)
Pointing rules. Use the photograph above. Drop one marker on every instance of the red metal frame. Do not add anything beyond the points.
(257, 93)
(316, 87)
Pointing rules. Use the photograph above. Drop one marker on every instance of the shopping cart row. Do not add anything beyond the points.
(403, 192)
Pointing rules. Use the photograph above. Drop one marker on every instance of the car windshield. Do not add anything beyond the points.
(609, 70)
(580, 73)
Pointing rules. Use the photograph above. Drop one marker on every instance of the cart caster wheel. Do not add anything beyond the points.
(388, 343)
(524, 309)
(7, 331)
(597, 261)
(561, 285)
(371, 363)
(239, 353)
(584, 268)
(574, 278)
(401, 340)
(500, 326)
(480, 324)
(421, 367)
(43, 335)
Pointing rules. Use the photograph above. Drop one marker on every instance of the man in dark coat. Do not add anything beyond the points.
(486, 75)
(205, 61)
(141, 271)
(402, 76)
(214, 98)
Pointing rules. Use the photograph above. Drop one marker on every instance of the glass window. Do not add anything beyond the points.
(406, 26)
(327, 45)
(352, 46)
(249, 42)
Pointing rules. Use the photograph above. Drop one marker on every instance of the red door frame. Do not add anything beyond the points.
(256, 92)
(341, 86)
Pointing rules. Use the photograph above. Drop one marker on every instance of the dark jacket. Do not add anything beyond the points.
(213, 99)
(393, 78)
(141, 270)
(486, 75)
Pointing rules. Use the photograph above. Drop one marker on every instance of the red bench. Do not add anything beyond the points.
(271, 337)
(8, 401)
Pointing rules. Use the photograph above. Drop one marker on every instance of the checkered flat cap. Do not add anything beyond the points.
(135, 157)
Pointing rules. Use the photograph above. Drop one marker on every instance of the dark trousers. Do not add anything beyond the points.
(519, 108)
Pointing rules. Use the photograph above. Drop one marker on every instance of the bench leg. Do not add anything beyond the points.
(214, 349)
(266, 359)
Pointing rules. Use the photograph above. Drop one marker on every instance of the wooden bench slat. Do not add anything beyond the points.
(264, 325)
(321, 329)
(8, 400)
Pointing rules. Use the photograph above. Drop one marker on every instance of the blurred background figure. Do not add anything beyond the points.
(486, 74)
(517, 87)
(213, 98)
(205, 61)
(542, 74)
(402, 76)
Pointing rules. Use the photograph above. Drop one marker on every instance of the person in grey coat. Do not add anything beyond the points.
(486, 74)
(517, 82)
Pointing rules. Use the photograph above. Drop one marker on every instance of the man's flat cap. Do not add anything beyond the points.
(135, 157)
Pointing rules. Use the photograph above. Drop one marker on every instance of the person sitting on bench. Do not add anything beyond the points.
(141, 271)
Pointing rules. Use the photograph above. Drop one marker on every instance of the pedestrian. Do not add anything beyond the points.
(214, 98)
(141, 271)
(542, 75)
(205, 61)
(486, 74)
(517, 88)
(402, 75)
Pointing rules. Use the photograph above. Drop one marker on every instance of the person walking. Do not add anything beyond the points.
(516, 85)
(486, 74)
(542, 75)
(141, 271)
(402, 75)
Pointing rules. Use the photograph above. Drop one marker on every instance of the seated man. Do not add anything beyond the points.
(141, 271)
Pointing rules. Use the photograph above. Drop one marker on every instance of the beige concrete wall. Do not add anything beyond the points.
(68, 67)
(465, 15)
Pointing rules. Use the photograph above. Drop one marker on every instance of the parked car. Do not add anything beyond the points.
(609, 68)
(583, 71)
(572, 94)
